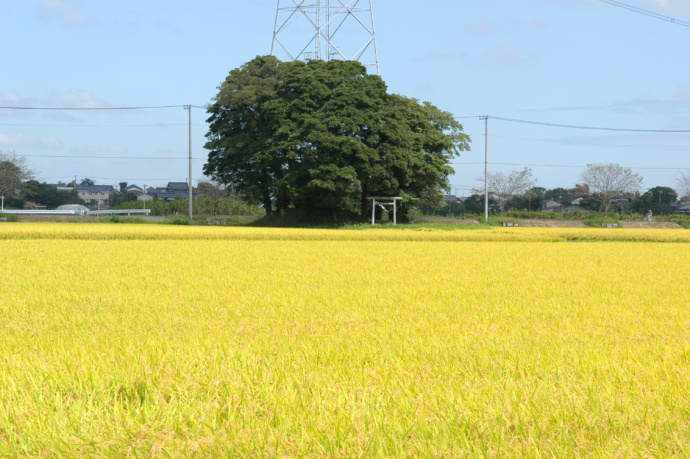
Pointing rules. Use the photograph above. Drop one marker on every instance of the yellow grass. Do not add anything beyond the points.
(184, 341)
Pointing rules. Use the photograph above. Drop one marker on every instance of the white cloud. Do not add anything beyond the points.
(67, 15)
(673, 7)
(444, 56)
(167, 27)
(651, 107)
(627, 141)
(76, 99)
(98, 149)
(12, 99)
(482, 28)
(541, 25)
(506, 54)
(678, 105)
(62, 116)
(20, 141)
(68, 100)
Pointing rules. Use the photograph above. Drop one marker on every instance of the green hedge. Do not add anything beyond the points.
(203, 206)
(9, 217)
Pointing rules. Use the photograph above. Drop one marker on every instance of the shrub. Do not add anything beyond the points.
(10, 217)
(684, 222)
(177, 220)
(206, 206)
(497, 220)
(598, 222)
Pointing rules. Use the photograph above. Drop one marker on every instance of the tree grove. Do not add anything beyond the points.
(323, 136)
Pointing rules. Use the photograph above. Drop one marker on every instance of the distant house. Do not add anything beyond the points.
(625, 198)
(551, 206)
(167, 196)
(683, 209)
(180, 190)
(62, 187)
(134, 190)
(96, 194)
(453, 198)
(174, 190)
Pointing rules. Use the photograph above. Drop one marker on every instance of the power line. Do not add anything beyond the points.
(115, 157)
(118, 178)
(595, 128)
(99, 125)
(93, 108)
(646, 12)
(567, 142)
(571, 166)
(145, 178)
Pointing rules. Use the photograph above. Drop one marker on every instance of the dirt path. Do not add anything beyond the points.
(548, 223)
(654, 225)
(449, 221)
(553, 223)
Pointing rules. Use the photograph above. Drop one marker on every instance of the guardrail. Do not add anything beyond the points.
(119, 212)
(39, 212)
(76, 212)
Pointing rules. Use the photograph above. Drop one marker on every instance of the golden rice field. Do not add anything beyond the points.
(162, 341)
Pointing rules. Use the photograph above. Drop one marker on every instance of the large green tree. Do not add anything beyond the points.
(239, 129)
(325, 136)
(34, 192)
(13, 172)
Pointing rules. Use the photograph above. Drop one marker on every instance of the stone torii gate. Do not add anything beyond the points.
(384, 201)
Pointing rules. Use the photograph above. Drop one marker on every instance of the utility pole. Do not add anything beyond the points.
(486, 166)
(189, 110)
(449, 200)
(144, 200)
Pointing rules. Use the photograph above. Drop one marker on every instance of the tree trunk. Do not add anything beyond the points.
(266, 195)
(282, 199)
(365, 201)
(268, 205)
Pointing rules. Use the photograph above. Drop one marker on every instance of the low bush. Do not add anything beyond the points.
(598, 222)
(497, 220)
(177, 220)
(684, 222)
(161, 208)
(10, 217)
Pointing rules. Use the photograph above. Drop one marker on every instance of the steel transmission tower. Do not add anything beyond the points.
(326, 30)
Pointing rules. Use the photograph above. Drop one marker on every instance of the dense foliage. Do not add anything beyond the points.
(324, 136)
(200, 206)
(34, 193)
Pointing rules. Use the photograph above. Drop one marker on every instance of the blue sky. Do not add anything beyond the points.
(573, 62)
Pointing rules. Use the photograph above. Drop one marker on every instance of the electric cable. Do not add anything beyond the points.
(646, 12)
(595, 128)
